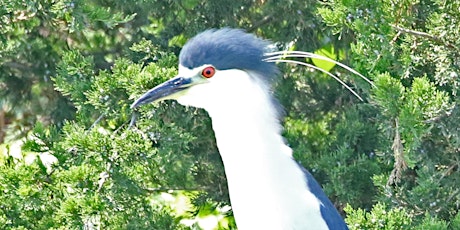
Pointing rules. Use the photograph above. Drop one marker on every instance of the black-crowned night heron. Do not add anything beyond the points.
(228, 73)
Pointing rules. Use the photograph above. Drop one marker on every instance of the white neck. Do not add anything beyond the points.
(266, 186)
(268, 190)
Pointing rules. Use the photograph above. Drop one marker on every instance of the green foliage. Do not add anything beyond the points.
(430, 222)
(378, 218)
(69, 70)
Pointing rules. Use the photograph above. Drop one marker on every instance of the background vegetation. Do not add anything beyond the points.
(70, 69)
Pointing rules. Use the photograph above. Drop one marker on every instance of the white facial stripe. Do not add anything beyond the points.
(186, 72)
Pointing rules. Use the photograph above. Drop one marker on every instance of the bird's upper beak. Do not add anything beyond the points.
(167, 90)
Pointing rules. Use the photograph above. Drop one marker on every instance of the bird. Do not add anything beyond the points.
(229, 73)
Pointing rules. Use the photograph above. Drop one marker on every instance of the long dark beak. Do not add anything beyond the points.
(166, 90)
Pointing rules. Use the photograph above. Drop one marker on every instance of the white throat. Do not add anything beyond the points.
(266, 186)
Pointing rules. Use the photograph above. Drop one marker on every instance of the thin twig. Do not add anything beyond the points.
(153, 190)
(133, 120)
(260, 23)
(97, 121)
(424, 35)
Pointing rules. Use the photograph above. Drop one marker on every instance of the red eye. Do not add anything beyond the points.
(208, 72)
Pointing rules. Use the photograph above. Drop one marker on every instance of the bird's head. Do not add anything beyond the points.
(217, 68)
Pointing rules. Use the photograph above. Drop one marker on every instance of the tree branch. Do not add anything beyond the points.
(423, 35)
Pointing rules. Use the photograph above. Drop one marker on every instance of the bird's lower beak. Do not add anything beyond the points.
(167, 90)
